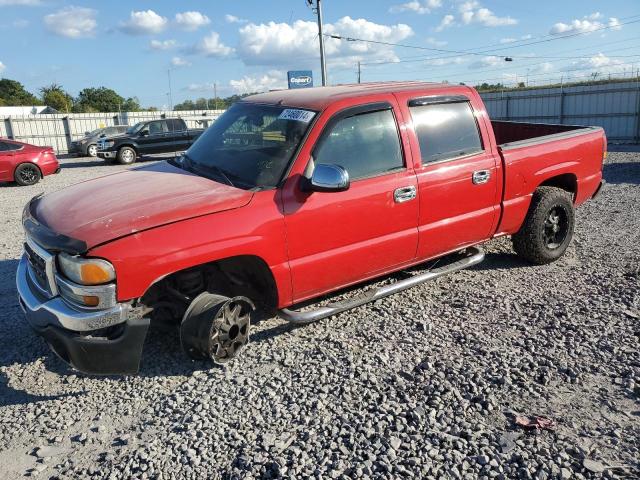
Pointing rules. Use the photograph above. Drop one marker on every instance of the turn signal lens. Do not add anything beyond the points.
(90, 301)
(86, 271)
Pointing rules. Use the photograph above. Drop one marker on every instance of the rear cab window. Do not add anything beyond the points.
(446, 128)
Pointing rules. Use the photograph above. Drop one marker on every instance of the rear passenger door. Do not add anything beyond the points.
(179, 134)
(338, 238)
(457, 177)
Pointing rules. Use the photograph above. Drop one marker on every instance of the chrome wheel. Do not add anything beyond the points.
(127, 156)
(556, 226)
(92, 151)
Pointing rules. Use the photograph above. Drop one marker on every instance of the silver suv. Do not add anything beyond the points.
(87, 145)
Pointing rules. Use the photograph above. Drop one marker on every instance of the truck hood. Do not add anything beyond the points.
(113, 206)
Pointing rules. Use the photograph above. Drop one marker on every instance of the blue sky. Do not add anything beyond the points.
(249, 45)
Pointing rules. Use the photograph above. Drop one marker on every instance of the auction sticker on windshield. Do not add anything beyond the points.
(298, 115)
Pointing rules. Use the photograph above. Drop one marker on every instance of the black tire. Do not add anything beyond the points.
(548, 227)
(27, 174)
(92, 150)
(126, 156)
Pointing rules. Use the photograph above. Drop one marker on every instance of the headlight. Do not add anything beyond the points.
(86, 271)
(108, 143)
(83, 141)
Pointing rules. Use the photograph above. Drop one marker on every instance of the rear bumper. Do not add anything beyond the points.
(91, 341)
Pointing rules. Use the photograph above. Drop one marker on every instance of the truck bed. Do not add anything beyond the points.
(518, 134)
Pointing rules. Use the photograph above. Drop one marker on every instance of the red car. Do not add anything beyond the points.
(24, 163)
(287, 197)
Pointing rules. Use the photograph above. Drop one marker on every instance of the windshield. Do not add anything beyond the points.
(135, 128)
(95, 132)
(249, 146)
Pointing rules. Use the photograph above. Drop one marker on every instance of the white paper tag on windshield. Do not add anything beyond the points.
(298, 115)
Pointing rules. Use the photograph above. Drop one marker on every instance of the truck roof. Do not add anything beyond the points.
(318, 98)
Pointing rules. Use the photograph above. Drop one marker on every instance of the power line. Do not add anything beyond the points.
(471, 52)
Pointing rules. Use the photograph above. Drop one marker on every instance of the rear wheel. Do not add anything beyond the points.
(27, 174)
(216, 327)
(92, 150)
(126, 155)
(548, 227)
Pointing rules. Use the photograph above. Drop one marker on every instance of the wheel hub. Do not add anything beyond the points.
(555, 228)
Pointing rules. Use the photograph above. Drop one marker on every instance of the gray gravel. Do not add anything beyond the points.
(425, 383)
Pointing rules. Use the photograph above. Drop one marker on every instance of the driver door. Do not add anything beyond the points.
(340, 238)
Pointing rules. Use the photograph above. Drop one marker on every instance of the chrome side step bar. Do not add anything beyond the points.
(473, 256)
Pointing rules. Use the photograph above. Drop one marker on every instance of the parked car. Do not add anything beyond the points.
(287, 197)
(155, 136)
(24, 163)
(88, 145)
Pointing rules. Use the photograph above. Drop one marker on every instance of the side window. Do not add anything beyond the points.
(8, 147)
(157, 127)
(3, 146)
(176, 125)
(446, 131)
(365, 145)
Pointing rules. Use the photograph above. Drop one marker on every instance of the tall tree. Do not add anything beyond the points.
(13, 93)
(54, 96)
(99, 99)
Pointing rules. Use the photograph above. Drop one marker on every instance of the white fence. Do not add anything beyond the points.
(59, 130)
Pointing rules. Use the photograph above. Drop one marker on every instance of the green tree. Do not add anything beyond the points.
(99, 99)
(13, 93)
(54, 96)
(131, 104)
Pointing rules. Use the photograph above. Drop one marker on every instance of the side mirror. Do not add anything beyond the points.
(328, 178)
(86, 134)
(144, 133)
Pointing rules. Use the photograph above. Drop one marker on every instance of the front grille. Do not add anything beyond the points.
(38, 267)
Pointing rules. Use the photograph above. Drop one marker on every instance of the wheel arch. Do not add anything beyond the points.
(565, 181)
(247, 275)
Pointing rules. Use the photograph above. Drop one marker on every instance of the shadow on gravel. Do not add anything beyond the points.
(10, 396)
(498, 261)
(617, 173)
(83, 164)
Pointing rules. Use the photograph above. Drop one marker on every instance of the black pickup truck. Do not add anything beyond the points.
(153, 136)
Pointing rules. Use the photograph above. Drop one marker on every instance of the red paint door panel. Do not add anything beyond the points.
(339, 238)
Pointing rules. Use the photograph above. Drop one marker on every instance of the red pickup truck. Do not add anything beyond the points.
(289, 196)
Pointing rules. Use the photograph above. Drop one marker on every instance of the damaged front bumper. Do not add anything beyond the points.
(106, 341)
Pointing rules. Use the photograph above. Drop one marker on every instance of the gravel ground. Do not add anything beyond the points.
(426, 383)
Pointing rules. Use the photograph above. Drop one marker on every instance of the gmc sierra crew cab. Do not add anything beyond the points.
(155, 136)
(287, 197)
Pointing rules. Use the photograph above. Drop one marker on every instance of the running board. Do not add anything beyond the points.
(473, 256)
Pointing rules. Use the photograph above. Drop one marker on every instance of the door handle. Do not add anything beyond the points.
(480, 176)
(404, 194)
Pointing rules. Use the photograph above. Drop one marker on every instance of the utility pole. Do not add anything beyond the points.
(359, 71)
(323, 65)
(170, 96)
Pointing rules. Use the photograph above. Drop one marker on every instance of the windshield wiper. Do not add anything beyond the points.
(188, 164)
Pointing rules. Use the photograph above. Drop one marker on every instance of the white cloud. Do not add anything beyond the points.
(271, 80)
(199, 87)
(587, 24)
(446, 61)
(472, 12)
(211, 46)
(419, 7)
(144, 22)
(191, 21)
(233, 19)
(22, 3)
(72, 22)
(489, 61)
(446, 22)
(20, 23)
(600, 63)
(436, 42)
(162, 44)
(2, 67)
(180, 62)
(282, 43)
(511, 40)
